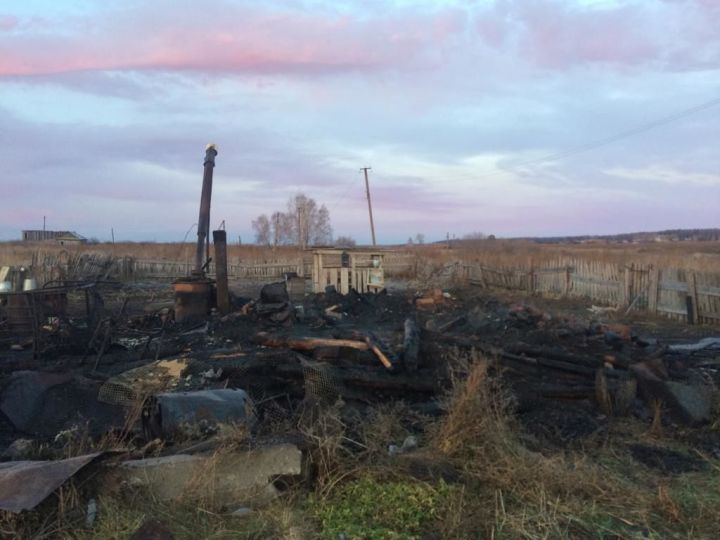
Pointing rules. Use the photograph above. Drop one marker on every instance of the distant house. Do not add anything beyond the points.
(70, 238)
(61, 237)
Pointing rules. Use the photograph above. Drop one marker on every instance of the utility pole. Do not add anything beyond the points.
(367, 190)
(276, 231)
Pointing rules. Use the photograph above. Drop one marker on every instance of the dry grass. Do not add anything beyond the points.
(476, 417)
(505, 490)
(22, 253)
(501, 489)
(473, 476)
(559, 494)
(426, 263)
(699, 256)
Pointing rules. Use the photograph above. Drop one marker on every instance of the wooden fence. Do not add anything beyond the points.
(393, 264)
(682, 294)
(64, 265)
(677, 293)
(261, 271)
(129, 268)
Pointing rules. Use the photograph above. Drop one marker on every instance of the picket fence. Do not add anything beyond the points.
(681, 294)
(139, 268)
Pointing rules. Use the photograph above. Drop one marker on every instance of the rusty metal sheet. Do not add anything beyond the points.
(25, 484)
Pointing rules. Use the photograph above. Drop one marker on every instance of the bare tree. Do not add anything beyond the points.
(420, 238)
(476, 235)
(261, 226)
(311, 225)
(345, 242)
(282, 229)
(300, 209)
(303, 224)
(322, 230)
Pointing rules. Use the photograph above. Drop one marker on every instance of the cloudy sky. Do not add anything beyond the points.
(512, 117)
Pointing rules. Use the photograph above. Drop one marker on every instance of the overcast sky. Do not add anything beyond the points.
(106, 107)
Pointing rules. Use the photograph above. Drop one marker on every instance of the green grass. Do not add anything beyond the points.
(371, 509)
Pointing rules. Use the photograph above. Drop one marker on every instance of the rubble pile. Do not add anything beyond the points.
(169, 390)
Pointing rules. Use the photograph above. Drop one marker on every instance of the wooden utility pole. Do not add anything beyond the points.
(367, 190)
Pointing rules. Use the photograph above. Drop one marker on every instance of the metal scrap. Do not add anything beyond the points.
(706, 343)
(164, 415)
(25, 393)
(25, 484)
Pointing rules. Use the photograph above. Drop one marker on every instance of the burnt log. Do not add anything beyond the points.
(411, 344)
(373, 379)
(306, 343)
(293, 367)
(539, 362)
(382, 352)
(452, 324)
(562, 356)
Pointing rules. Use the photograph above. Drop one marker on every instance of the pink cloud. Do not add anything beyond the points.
(8, 22)
(247, 40)
(254, 38)
(563, 37)
(559, 35)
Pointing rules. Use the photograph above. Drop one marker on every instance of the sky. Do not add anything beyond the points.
(507, 117)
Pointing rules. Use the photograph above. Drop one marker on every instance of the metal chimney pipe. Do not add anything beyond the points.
(221, 271)
(204, 218)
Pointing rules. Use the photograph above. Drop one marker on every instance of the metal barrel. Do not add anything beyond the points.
(168, 414)
(193, 298)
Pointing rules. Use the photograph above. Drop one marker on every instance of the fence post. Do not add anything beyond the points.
(694, 308)
(653, 285)
(531, 281)
(628, 285)
(567, 280)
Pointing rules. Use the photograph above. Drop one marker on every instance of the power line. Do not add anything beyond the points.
(624, 134)
(586, 147)
(558, 156)
(344, 195)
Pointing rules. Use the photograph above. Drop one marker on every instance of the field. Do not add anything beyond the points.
(699, 256)
(23, 253)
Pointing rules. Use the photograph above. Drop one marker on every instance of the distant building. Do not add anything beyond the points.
(61, 237)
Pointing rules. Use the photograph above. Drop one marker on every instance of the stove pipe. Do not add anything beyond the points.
(203, 227)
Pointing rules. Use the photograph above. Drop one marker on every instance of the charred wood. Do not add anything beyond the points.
(411, 344)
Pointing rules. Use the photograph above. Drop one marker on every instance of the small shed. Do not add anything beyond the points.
(71, 238)
(348, 269)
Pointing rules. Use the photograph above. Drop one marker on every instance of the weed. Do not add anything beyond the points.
(368, 508)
